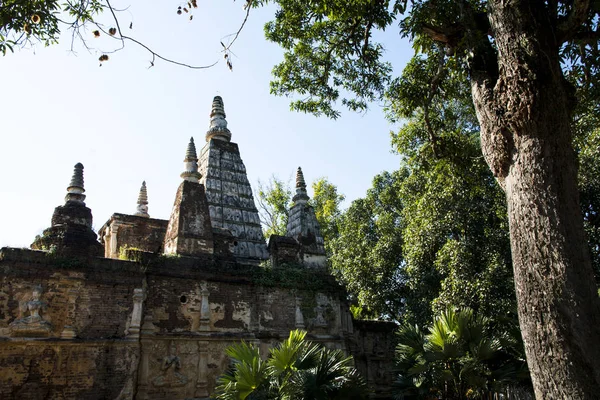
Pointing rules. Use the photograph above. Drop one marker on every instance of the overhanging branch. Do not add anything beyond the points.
(569, 25)
(155, 55)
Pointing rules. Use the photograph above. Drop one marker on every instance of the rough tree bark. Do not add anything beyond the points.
(524, 108)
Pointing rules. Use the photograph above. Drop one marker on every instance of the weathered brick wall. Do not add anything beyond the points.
(93, 295)
(198, 307)
(55, 369)
(190, 311)
(88, 298)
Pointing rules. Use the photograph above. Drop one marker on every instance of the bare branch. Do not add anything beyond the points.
(155, 55)
(248, 7)
(587, 36)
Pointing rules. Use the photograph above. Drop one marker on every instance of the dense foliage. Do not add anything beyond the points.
(367, 253)
(435, 232)
(462, 357)
(296, 369)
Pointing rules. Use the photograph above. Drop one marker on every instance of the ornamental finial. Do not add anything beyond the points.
(142, 203)
(300, 183)
(301, 195)
(218, 123)
(191, 164)
(75, 189)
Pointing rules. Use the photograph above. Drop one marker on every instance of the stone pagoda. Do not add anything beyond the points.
(229, 194)
(303, 243)
(189, 231)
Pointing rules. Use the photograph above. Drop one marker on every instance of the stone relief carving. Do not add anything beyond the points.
(148, 328)
(170, 367)
(69, 331)
(196, 308)
(4, 313)
(30, 322)
(320, 320)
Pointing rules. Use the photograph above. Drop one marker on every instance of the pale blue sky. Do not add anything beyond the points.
(127, 123)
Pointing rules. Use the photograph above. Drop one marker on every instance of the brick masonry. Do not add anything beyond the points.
(172, 346)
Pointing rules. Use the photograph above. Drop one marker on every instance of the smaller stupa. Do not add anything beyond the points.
(304, 227)
(71, 226)
(189, 231)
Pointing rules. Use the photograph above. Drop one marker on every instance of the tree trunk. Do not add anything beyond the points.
(524, 109)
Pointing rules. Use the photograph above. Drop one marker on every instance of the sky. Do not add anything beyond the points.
(127, 123)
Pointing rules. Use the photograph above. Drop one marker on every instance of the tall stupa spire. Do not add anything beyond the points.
(142, 203)
(75, 189)
(218, 123)
(191, 164)
(301, 195)
(228, 191)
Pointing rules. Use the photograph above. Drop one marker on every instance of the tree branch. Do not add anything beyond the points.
(155, 55)
(568, 26)
(432, 92)
(587, 36)
(449, 36)
(248, 7)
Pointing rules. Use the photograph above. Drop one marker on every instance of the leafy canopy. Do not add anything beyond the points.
(332, 58)
(24, 22)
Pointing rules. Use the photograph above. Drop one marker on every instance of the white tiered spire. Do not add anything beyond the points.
(301, 195)
(218, 123)
(191, 164)
(75, 189)
(142, 203)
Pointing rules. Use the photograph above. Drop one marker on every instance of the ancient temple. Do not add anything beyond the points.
(147, 311)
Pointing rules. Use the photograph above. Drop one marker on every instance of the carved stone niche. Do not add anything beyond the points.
(170, 374)
(30, 322)
(321, 319)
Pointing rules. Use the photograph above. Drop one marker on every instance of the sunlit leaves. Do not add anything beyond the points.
(274, 200)
(367, 253)
(329, 54)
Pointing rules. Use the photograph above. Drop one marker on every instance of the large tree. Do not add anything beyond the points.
(435, 232)
(516, 56)
(366, 254)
